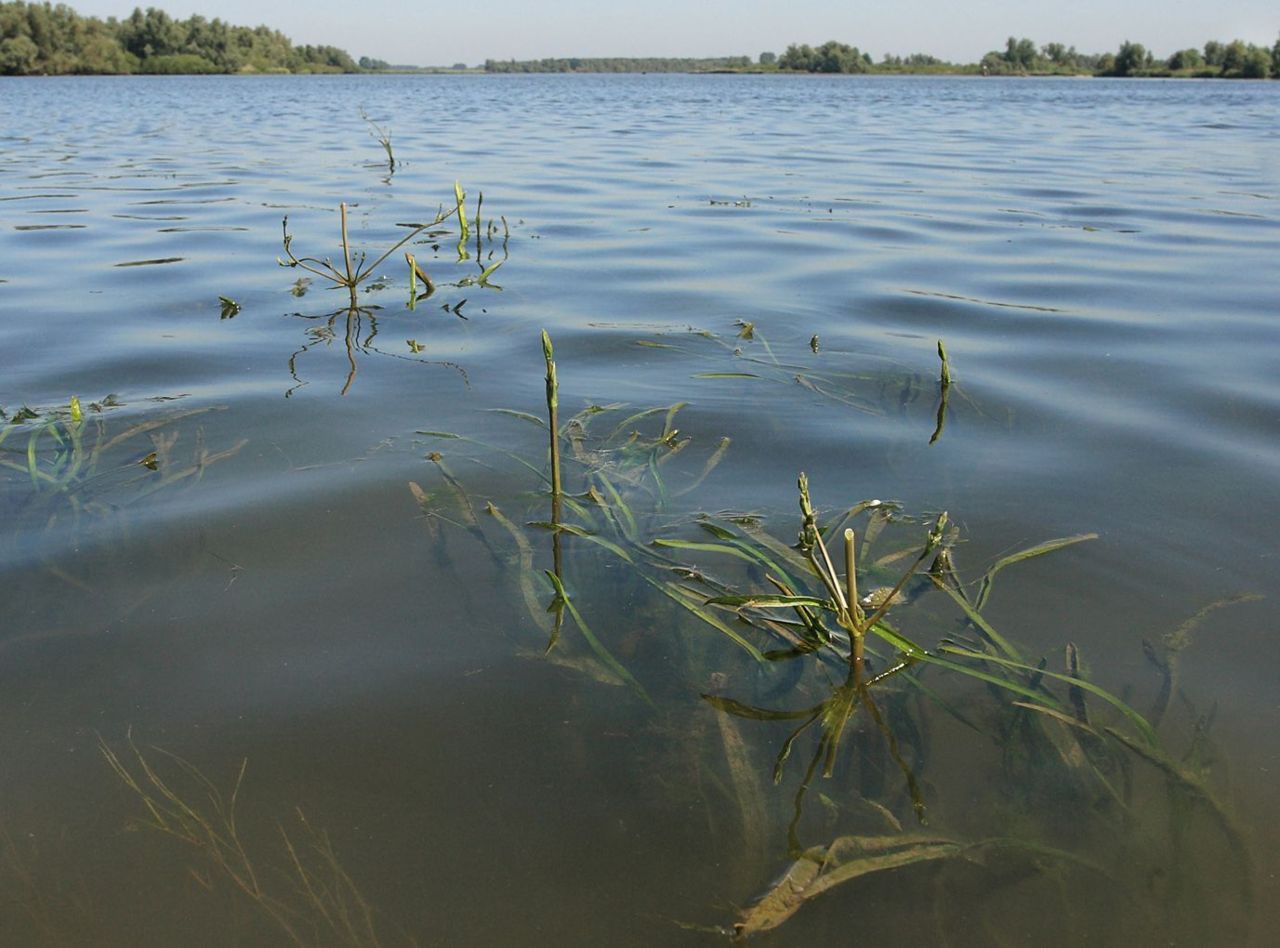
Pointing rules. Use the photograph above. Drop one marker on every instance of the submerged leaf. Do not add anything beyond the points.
(1040, 549)
(738, 709)
(766, 601)
(822, 868)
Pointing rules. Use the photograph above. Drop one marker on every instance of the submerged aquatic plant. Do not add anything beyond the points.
(308, 897)
(64, 451)
(831, 633)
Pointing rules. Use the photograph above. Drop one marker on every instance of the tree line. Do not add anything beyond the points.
(41, 39)
(619, 64)
(1234, 60)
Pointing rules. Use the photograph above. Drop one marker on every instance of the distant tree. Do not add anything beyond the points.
(18, 55)
(768, 59)
(994, 63)
(1233, 56)
(831, 56)
(178, 64)
(459, 66)
(1054, 52)
(52, 39)
(839, 57)
(1257, 63)
(1020, 53)
(1213, 53)
(1131, 58)
(1275, 59)
(1186, 59)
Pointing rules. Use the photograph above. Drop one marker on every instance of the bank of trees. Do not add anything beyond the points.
(829, 57)
(618, 64)
(43, 39)
(46, 39)
(1234, 60)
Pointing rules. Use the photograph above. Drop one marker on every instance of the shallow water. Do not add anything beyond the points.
(1099, 258)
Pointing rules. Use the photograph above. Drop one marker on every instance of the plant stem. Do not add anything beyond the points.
(346, 255)
(857, 634)
(553, 422)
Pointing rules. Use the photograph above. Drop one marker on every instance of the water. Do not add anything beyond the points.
(1097, 256)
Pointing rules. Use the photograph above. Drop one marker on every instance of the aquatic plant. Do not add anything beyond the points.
(356, 268)
(319, 902)
(944, 393)
(846, 674)
(63, 450)
(349, 276)
(355, 272)
(382, 137)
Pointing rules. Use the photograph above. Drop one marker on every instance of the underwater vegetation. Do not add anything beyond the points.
(836, 690)
(855, 644)
(66, 462)
(303, 891)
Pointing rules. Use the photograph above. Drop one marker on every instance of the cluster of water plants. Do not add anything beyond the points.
(482, 247)
(63, 462)
(858, 641)
(834, 690)
(305, 893)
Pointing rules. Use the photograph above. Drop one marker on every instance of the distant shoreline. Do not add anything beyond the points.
(42, 40)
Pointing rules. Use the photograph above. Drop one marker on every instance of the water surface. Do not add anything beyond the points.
(1097, 256)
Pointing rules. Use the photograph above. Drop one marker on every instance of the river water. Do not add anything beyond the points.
(221, 558)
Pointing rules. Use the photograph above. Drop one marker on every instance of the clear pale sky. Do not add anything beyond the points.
(426, 32)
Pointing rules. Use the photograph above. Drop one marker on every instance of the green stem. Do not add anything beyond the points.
(346, 255)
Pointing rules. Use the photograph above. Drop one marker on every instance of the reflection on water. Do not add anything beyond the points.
(745, 278)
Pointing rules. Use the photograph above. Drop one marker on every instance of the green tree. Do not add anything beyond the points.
(769, 59)
(1186, 59)
(839, 57)
(831, 56)
(1275, 59)
(1233, 56)
(18, 55)
(799, 58)
(1257, 63)
(1131, 58)
(1213, 53)
(1020, 53)
(178, 64)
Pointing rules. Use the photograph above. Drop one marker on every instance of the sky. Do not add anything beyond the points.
(428, 32)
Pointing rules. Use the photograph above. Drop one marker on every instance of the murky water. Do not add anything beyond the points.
(231, 566)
